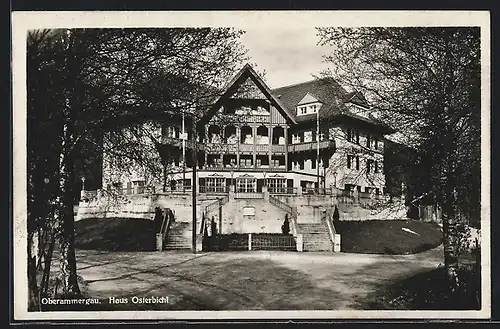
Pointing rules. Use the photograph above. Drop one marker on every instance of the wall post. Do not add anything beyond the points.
(300, 242)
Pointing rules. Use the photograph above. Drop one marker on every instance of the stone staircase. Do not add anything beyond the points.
(178, 236)
(316, 237)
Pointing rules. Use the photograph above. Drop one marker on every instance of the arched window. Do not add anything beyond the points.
(230, 135)
(246, 135)
(278, 136)
(214, 134)
(262, 135)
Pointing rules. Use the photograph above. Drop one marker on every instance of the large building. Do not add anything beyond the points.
(309, 136)
(302, 152)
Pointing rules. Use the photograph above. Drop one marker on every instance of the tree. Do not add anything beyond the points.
(83, 82)
(426, 84)
(285, 228)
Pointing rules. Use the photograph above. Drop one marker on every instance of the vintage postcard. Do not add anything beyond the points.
(251, 165)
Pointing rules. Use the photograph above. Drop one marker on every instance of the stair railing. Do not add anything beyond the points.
(331, 228)
(280, 204)
(290, 210)
(165, 225)
(216, 204)
(295, 226)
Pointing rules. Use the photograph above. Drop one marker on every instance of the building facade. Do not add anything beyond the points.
(304, 138)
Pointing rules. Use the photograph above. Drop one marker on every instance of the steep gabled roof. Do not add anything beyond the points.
(248, 72)
(333, 96)
(326, 90)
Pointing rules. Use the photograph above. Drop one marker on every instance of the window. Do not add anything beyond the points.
(353, 135)
(248, 213)
(314, 108)
(303, 110)
(246, 161)
(368, 141)
(215, 184)
(375, 143)
(308, 136)
(246, 185)
(276, 185)
(375, 167)
(171, 131)
(369, 165)
(262, 160)
(352, 161)
(277, 160)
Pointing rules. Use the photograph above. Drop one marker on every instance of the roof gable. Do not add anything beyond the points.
(247, 76)
(308, 98)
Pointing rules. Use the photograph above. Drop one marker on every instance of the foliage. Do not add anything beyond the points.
(428, 291)
(425, 82)
(92, 91)
(285, 228)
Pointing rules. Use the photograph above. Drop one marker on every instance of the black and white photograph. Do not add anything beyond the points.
(251, 165)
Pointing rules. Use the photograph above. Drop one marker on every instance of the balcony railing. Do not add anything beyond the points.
(317, 191)
(221, 148)
(282, 190)
(249, 195)
(309, 146)
(262, 148)
(242, 168)
(214, 189)
(278, 148)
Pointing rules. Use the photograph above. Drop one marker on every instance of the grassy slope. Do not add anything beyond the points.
(117, 234)
(387, 236)
(428, 291)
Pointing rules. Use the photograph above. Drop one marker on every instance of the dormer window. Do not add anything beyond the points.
(309, 104)
(308, 109)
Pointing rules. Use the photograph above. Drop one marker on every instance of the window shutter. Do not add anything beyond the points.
(228, 181)
(357, 162)
(260, 183)
(348, 162)
(202, 181)
(289, 183)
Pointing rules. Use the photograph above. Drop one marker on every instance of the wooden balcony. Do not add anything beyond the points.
(310, 146)
(278, 148)
(255, 118)
(242, 168)
(177, 142)
(221, 148)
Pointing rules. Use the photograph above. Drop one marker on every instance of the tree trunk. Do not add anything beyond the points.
(33, 302)
(451, 241)
(68, 275)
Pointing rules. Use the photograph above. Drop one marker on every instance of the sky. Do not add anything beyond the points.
(288, 56)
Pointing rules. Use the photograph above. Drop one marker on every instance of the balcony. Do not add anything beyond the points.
(177, 142)
(255, 118)
(278, 148)
(246, 148)
(243, 168)
(310, 146)
(221, 148)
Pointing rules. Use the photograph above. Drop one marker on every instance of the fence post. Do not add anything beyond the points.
(249, 241)
(159, 242)
(336, 243)
(300, 242)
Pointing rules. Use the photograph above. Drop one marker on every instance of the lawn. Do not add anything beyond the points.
(388, 236)
(115, 234)
(428, 291)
